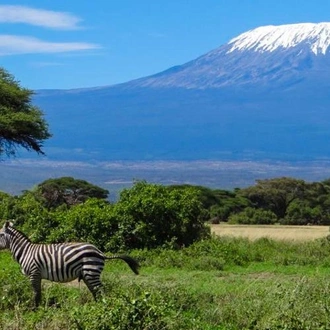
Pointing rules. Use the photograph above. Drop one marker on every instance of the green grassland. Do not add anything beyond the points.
(220, 283)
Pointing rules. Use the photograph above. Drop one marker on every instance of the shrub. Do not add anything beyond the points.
(93, 221)
(33, 218)
(253, 216)
(300, 213)
(151, 215)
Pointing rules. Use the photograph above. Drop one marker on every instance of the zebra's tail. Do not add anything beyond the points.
(132, 263)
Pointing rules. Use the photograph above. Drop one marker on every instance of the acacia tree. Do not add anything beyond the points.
(21, 123)
(69, 191)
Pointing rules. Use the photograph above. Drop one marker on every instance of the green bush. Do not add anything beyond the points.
(124, 312)
(252, 216)
(151, 215)
(7, 204)
(33, 218)
(146, 215)
(93, 221)
(300, 213)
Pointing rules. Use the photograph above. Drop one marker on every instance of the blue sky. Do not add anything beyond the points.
(75, 44)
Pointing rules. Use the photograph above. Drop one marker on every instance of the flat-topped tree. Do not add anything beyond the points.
(69, 191)
(21, 123)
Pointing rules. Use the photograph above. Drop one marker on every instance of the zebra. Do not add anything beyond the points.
(61, 262)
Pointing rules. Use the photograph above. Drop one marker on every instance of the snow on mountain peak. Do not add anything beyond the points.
(269, 38)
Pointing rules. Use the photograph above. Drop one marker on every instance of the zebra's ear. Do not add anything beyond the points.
(8, 224)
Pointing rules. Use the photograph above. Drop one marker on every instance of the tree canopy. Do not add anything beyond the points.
(151, 215)
(145, 216)
(21, 123)
(275, 194)
(69, 191)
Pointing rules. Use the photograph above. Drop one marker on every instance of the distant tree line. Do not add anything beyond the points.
(151, 215)
(280, 200)
(145, 216)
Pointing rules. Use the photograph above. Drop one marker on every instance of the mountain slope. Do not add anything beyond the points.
(264, 94)
(283, 55)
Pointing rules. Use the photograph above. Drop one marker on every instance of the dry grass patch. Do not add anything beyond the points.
(253, 232)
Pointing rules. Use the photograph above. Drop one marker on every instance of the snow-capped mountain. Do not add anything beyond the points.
(271, 38)
(263, 94)
(268, 55)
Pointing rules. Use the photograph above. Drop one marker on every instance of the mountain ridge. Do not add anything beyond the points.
(291, 54)
(239, 103)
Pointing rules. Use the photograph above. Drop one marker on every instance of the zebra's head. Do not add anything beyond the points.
(4, 237)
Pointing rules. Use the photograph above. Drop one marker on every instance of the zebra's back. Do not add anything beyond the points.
(68, 261)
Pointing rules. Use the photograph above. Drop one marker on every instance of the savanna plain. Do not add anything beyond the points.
(234, 280)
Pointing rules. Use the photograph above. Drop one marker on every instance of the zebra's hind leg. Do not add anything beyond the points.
(93, 283)
(35, 280)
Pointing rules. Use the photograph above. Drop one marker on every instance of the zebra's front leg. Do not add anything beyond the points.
(35, 280)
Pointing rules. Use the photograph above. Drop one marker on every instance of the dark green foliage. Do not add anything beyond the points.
(207, 196)
(68, 191)
(313, 207)
(252, 216)
(21, 123)
(229, 203)
(122, 312)
(7, 205)
(293, 202)
(275, 194)
(30, 215)
(219, 203)
(93, 221)
(302, 213)
(146, 215)
(221, 253)
(152, 215)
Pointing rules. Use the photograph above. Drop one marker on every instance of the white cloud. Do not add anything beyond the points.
(38, 17)
(13, 44)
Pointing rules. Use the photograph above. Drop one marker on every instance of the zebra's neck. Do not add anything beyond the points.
(18, 243)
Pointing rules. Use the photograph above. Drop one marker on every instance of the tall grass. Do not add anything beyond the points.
(225, 252)
(220, 283)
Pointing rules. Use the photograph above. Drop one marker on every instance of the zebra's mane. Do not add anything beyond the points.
(13, 231)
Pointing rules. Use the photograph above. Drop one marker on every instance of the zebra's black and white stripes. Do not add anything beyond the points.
(61, 262)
